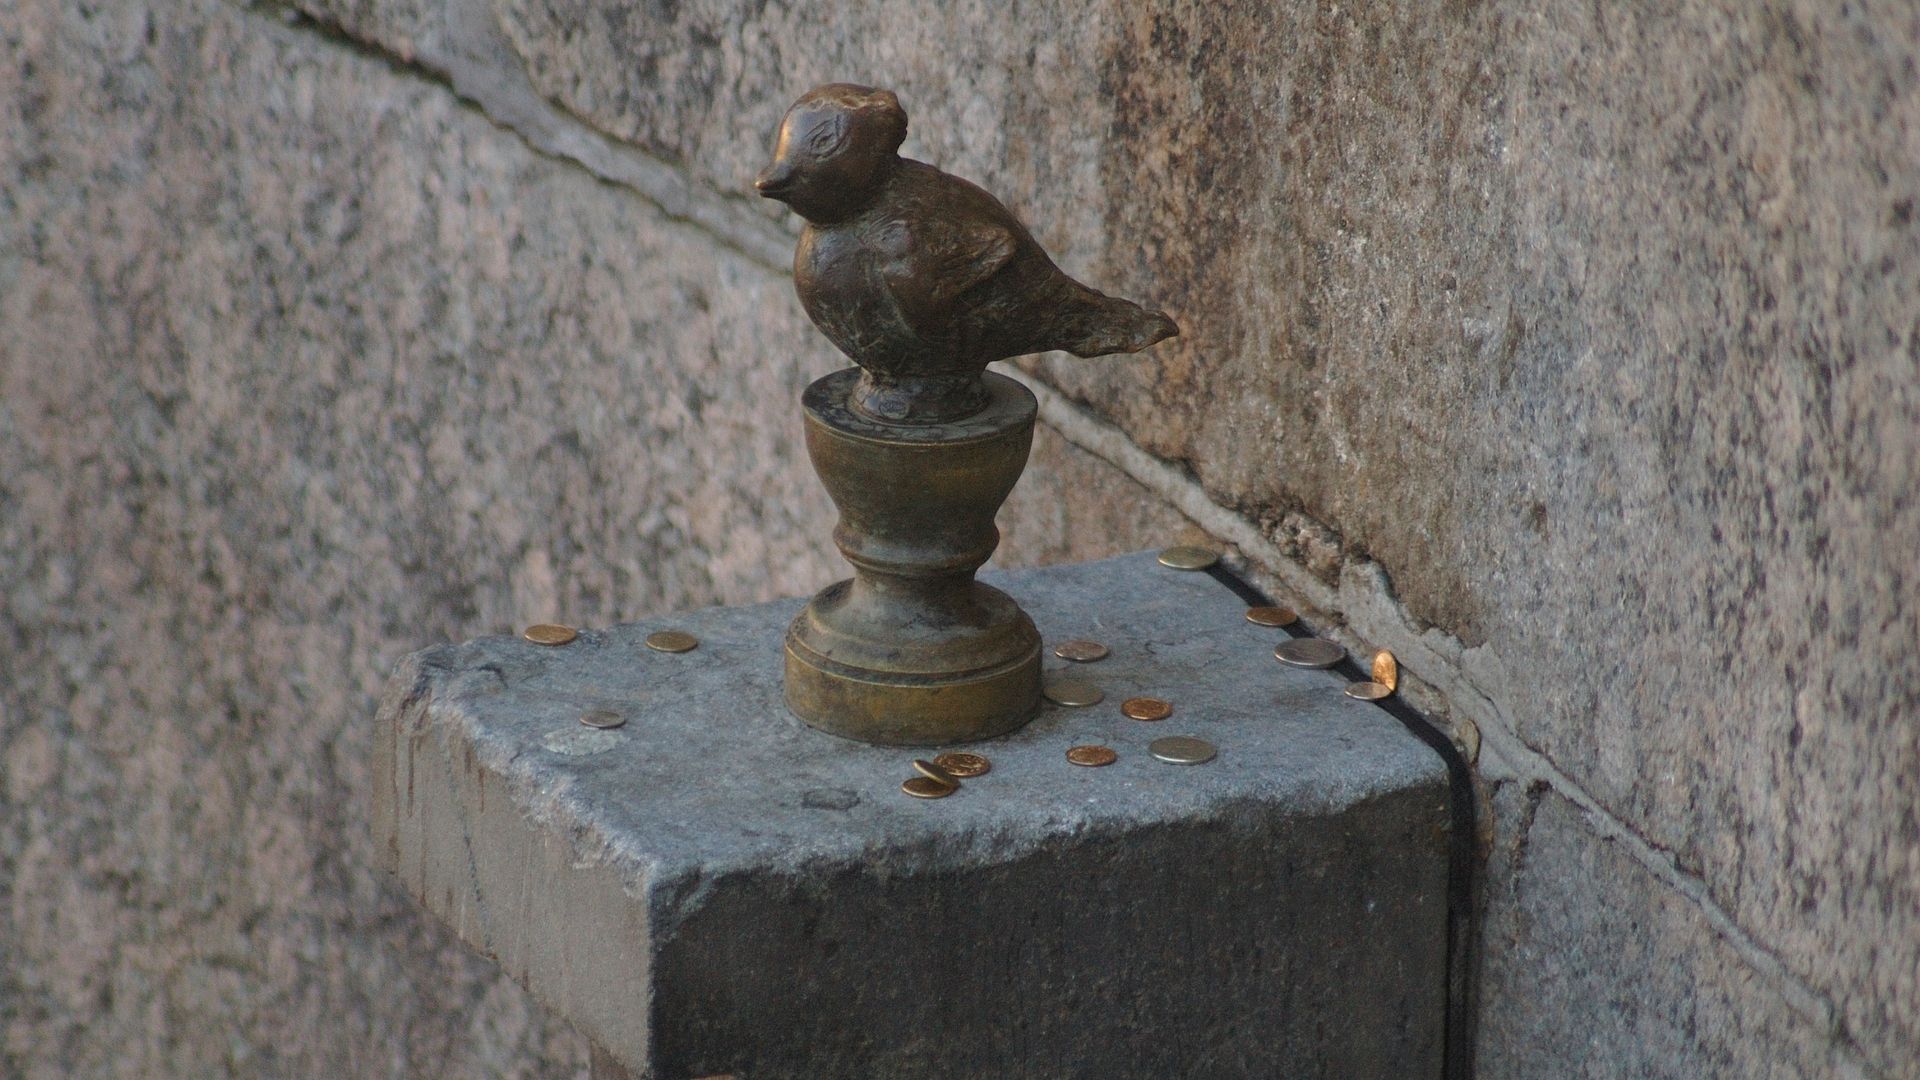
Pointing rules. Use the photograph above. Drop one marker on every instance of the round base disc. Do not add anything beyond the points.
(893, 709)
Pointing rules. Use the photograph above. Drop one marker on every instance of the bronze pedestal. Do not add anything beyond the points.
(912, 650)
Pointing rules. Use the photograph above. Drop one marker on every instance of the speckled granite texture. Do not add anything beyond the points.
(1573, 349)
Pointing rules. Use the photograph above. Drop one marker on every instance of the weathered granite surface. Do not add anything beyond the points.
(303, 366)
(715, 887)
(1596, 970)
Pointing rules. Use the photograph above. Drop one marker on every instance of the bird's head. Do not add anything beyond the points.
(837, 145)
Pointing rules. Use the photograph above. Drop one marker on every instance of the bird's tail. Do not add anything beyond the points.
(1098, 325)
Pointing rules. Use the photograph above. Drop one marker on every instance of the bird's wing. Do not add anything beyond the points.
(944, 261)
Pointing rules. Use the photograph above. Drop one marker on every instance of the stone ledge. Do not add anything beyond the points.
(716, 888)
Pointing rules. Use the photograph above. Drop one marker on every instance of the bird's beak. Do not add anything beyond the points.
(774, 180)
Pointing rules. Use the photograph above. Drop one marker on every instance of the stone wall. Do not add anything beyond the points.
(1570, 351)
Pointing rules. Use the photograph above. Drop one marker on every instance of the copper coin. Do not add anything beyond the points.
(1272, 616)
(602, 718)
(1146, 708)
(1368, 691)
(932, 771)
(550, 634)
(963, 765)
(1072, 692)
(671, 641)
(1188, 557)
(1080, 651)
(925, 787)
(1386, 670)
(1309, 652)
(1181, 750)
(1092, 756)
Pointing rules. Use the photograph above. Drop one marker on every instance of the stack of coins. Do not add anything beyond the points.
(941, 777)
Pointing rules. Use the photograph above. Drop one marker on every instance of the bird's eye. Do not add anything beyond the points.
(827, 138)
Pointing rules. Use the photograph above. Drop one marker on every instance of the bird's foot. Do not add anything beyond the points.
(920, 399)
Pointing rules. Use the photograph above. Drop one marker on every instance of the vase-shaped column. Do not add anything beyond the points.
(912, 650)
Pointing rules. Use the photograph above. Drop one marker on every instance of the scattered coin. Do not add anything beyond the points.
(1386, 670)
(1187, 557)
(1310, 652)
(602, 718)
(926, 787)
(550, 634)
(1092, 756)
(671, 641)
(1072, 692)
(1272, 616)
(1084, 652)
(1146, 708)
(1368, 691)
(1181, 749)
(963, 765)
(932, 771)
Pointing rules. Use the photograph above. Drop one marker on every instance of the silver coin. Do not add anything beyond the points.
(602, 718)
(1181, 749)
(1367, 691)
(1072, 692)
(1309, 652)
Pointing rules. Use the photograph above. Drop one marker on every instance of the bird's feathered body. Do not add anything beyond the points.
(936, 277)
(922, 278)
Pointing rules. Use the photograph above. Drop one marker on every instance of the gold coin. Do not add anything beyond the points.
(1386, 670)
(963, 765)
(1080, 651)
(550, 634)
(602, 718)
(1187, 557)
(926, 787)
(1146, 708)
(1272, 616)
(1181, 750)
(1072, 692)
(671, 641)
(1092, 756)
(933, 771)
(1309, 652)
(1368, 691)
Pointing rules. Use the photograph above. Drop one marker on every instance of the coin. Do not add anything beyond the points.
(1309, 652)
(1368, 691)
(602, 718)
(1092, 756)
(963, 765)
(934, 772)
(1386, 670)
(1084, 652)
(1181, 749)
(925, 787)
(1187, 557)
(1272, 616)
(550, 634)
(1146, 708)
(1072, 692)
(671, 641)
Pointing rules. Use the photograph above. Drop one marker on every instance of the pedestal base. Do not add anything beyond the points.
(884, 700)
(714, 887)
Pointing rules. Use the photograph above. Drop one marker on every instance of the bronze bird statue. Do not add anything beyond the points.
(922, 278)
